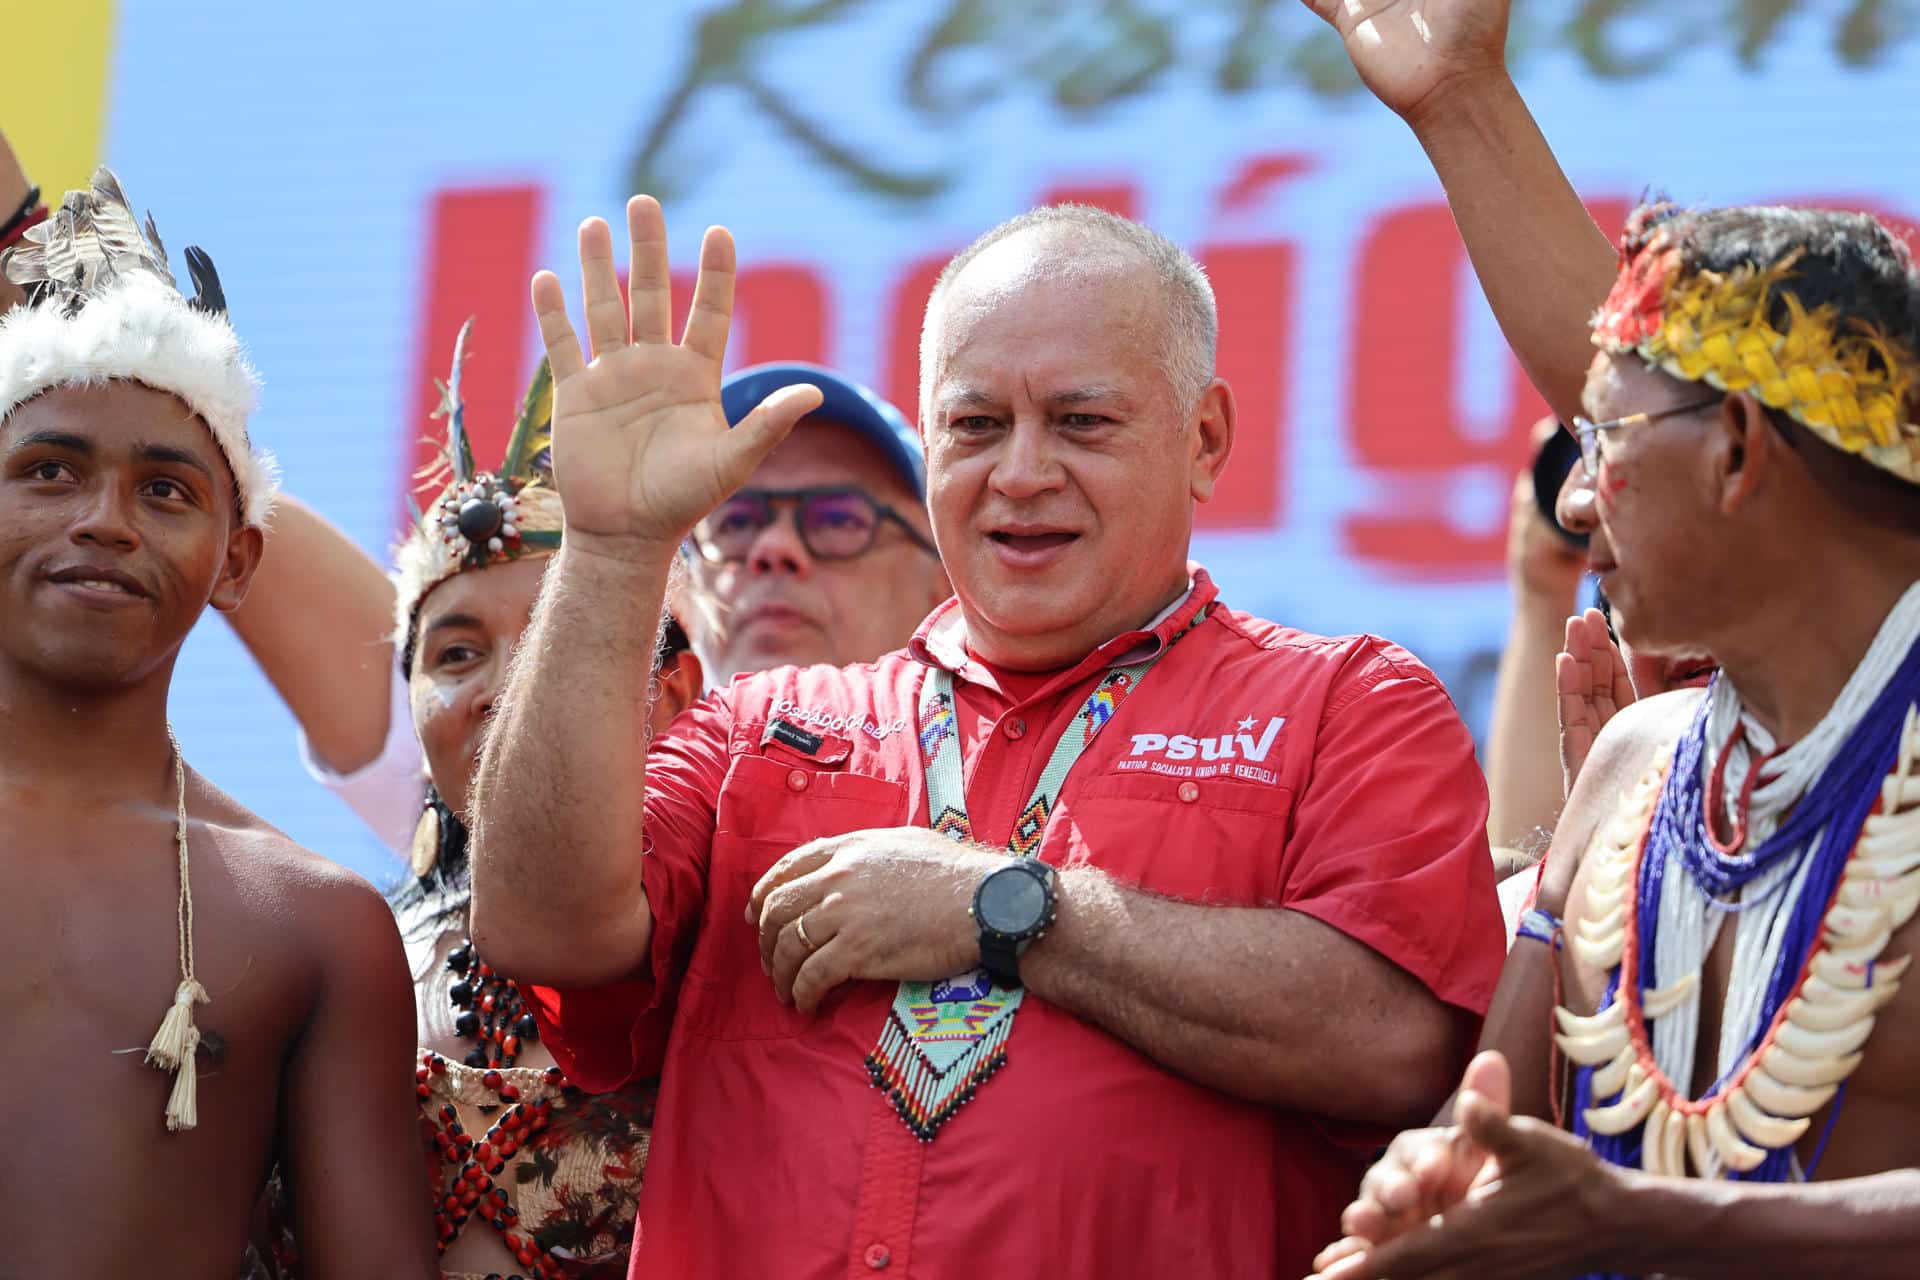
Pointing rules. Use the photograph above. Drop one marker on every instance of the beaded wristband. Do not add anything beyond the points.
(1541, 926)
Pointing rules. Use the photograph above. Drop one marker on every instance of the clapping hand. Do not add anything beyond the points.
(1494, 1197)
(1593, 683)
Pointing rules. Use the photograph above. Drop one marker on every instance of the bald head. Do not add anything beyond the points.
(1074, 244)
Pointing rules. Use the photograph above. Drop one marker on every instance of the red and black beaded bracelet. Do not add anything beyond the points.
(30, 214)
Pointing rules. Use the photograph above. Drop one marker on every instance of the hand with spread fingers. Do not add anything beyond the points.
(886, 903)
(1409, 51)
(1493, 1197)
(1593, 683)
(642, 451)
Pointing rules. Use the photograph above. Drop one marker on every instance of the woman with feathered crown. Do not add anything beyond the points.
(530, 1176)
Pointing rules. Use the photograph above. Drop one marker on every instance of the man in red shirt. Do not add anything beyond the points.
(1096, 934)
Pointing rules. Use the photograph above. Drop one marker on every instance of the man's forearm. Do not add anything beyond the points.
(558, 803)
(1543, 263)
(1855, 1227)
(1262, 1003)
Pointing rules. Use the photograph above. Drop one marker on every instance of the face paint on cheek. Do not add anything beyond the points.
(430, 699)
(1610, 483)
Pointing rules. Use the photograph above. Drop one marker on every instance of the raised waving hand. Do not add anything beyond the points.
(642, 451)
(1408, 51)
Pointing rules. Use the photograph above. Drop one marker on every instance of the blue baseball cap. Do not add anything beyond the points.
(846, 402)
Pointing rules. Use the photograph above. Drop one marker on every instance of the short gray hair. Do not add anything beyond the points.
(1190, 314)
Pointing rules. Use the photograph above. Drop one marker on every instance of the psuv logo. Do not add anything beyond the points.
(1226, 746)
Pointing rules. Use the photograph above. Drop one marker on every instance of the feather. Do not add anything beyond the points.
(459, 451)
(530, 446)
(89, 242)
(208, 296)
(153, 238)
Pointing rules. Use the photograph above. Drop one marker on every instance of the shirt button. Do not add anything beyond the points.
(797, 780)
(1015, 728)
(1189, 792)
(878, 1257)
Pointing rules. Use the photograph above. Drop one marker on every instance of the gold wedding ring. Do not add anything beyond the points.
(800, 927)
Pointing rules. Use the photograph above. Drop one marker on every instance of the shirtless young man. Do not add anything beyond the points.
(142, 897)
(1728, 977)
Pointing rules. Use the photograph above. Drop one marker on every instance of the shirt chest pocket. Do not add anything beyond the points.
(769, 807)
(1219, 840)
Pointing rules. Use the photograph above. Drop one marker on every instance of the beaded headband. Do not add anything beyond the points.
(1836, 375)
(481, 518)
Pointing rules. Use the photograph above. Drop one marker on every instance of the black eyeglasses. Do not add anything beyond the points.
(835, 522)
(1587, 431)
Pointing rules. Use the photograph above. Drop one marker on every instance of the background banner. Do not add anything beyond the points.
(368, 175)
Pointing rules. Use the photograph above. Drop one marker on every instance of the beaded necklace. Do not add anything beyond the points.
(1821, 983)
(518, 1102)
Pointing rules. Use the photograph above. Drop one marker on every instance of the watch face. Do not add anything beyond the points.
(1012, 901)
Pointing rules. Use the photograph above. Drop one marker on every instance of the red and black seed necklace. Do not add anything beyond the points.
(492, 1014)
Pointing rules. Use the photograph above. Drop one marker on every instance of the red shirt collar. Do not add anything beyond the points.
(941, 640)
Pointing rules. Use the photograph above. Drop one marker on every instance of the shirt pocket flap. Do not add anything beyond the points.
(1218, 839)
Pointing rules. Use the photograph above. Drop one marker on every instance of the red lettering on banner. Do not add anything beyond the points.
(779, 313)
(909, 309)
(783, 309)
(480, 250)
(1253, 288)
(1404, 421)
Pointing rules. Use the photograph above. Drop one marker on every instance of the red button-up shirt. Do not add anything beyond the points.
(1255, 765)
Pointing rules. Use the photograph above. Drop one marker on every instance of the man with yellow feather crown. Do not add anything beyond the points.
(1698, 1060)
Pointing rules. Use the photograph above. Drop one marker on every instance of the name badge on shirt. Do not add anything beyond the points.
(783, 737)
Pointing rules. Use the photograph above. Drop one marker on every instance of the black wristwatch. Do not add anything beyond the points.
(1013, 905)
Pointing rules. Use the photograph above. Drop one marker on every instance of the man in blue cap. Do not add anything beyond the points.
(825, 554)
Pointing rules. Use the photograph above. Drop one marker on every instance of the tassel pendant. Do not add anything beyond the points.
(183, 1111)
(174, 1042)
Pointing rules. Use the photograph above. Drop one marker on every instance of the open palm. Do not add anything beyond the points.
(641, 448)
(1406, 50)
(1593, 684)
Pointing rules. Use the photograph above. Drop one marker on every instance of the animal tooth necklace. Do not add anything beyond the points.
(1815, 894)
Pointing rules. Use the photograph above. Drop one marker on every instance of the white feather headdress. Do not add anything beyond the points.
(103, 305)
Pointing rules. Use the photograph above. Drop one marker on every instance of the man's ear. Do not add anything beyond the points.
(682, 681)
(245, 546)
(1745, 449)
(1211, 432)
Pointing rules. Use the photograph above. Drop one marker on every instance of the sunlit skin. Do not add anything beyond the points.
(781, 606)
(1064, 466)
(122, 485)
(118, 528)
(1648, 489)
(468, 628)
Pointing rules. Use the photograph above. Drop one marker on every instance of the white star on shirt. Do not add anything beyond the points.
(1246, 726)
